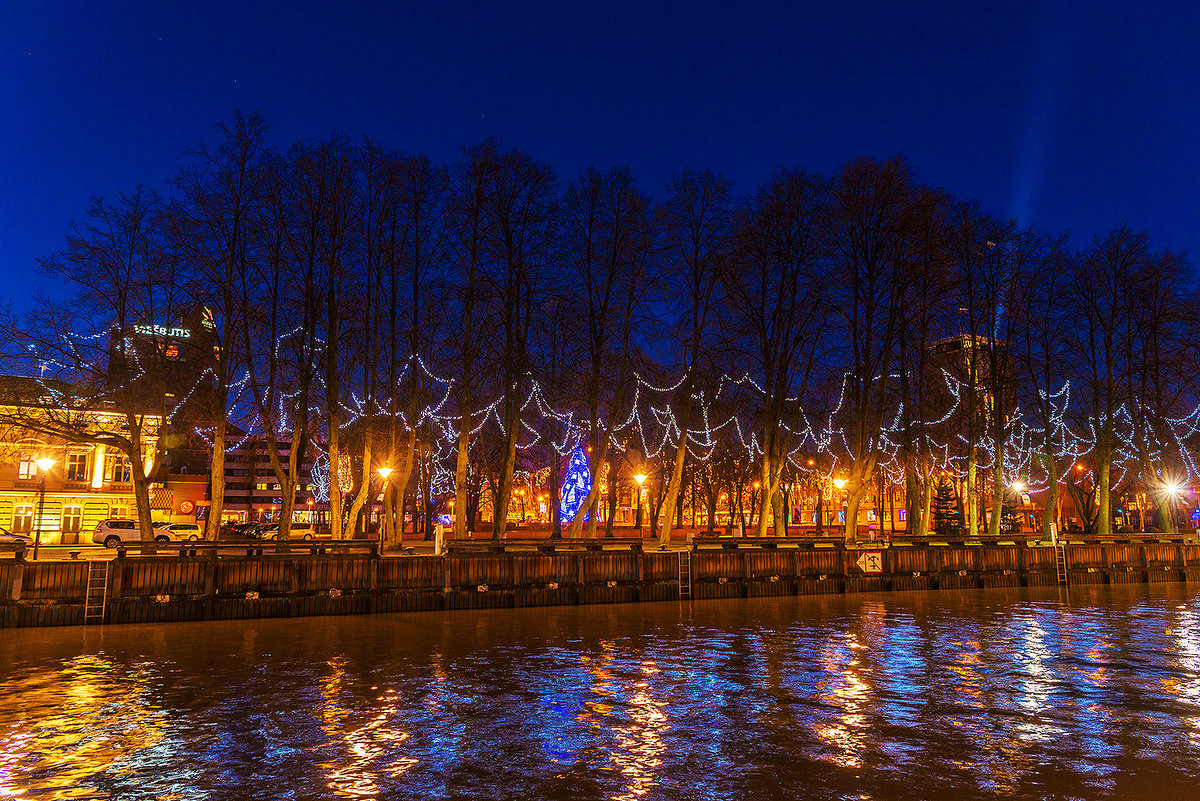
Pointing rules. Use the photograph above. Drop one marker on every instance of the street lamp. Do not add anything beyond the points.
(840, 483)
(640, 478)
(1019, 488)
(383, 472)
(44, 464)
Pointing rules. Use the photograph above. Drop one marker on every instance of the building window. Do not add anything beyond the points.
(26, 468)
(77, 467)
(260, 486)
(117, 470)
(23, 518)
(72, 519)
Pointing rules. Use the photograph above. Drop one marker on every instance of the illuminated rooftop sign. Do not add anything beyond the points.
(162, 331)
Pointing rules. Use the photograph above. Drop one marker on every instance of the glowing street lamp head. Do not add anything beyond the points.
(1018, 486)
(384, 472)
(640, 478)
(46, 463)
(840, 483)
(1173, 489)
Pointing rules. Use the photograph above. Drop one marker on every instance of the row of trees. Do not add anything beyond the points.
(467, 323)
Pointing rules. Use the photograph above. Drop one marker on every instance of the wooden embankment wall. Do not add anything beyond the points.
(152, 589)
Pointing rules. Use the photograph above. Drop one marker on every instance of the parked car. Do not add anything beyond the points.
(242, 531)
(11, 538)
(181, 531)
(113, 532)
(298, 531)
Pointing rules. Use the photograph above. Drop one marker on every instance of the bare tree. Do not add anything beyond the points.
(699, 226)
(1041, 360)
(212, 226)
(1101, 301)
(467, 224)
(870, 206)
(774, 290)
(922, 316)
(414, 240)
(324, 190)
(520, 203)
(104, 363)
(610, 232)
(1162, 330)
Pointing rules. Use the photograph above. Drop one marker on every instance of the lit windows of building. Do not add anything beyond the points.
(117, 470)
(23, 518)
(72, 519)
(77, 467)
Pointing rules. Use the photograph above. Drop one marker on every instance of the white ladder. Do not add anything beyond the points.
(685, 574)
(1060, 563)
(97, 592)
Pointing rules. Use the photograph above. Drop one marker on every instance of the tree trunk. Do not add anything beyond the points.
(364, 492)
(972, 497)
(1104, 499)
(685, 419)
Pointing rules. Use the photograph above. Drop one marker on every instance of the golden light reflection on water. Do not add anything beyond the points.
(1186, 683)
(847, 691)
(625, 710)
(913, 697)
(965, 667)
(368, 740)
(93, 719)
(1035, 683)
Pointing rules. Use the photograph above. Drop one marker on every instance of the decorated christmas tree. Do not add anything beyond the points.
(946, 517)
(576, 485)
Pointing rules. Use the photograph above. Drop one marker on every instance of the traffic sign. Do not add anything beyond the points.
(870, 562)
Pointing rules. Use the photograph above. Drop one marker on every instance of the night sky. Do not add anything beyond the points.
(1066, 115)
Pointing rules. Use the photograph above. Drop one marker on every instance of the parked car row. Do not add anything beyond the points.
(264, 531)
(115, 532)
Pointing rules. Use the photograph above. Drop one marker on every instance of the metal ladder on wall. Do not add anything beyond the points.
(97, 593)
(685, 574)
(1060, 563)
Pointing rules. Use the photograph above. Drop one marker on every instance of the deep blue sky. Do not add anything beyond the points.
(1067, 115)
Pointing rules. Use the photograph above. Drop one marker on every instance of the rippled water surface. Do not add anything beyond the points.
(977, 694)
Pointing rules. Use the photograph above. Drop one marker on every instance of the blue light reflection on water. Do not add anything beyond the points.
(986, 694)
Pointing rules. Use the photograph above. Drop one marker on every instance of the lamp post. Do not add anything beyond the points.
(840, 484)
(44, 464)
(384, 472)
(1019, 488)
(640, 478)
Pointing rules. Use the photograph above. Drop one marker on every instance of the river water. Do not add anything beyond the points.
(953, 695)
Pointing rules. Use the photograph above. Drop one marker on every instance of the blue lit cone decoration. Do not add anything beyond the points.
(577, 485)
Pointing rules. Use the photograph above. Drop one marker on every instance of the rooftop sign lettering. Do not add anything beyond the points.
(162, 331)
